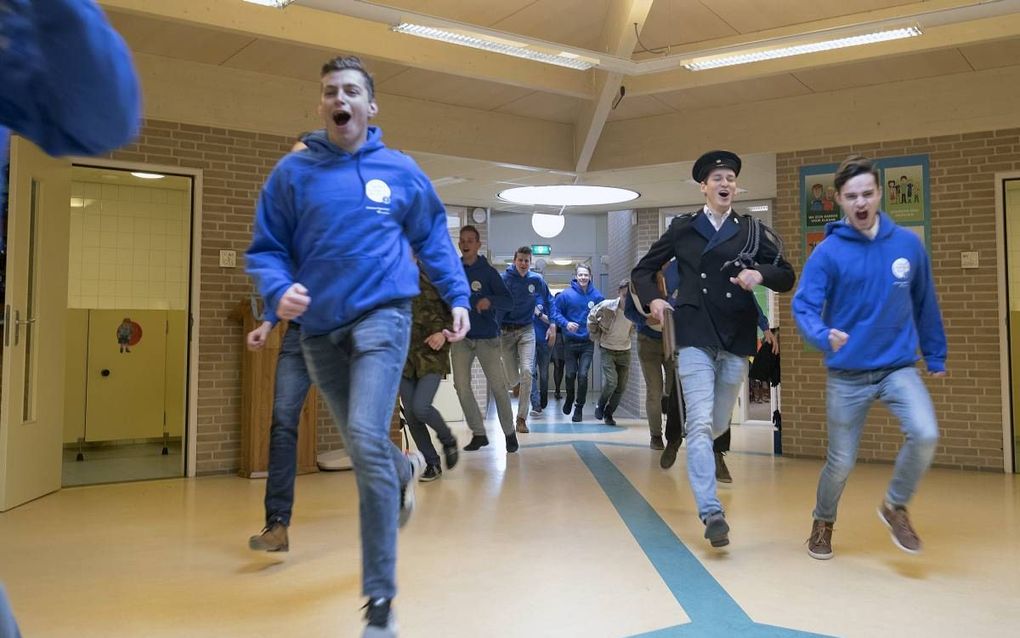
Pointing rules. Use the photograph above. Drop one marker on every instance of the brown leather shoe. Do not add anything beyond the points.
(522, 425)
(722, 473)
(819, 544)
(273, 538)
(902, 532)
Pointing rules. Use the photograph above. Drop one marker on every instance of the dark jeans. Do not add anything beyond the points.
(416, 396)
(357, 369)
(578, 355)
(540, 375)
(292, 384)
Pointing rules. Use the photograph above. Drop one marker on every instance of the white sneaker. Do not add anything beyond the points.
(417, 462)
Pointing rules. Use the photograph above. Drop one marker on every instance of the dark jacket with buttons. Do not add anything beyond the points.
(710, 311)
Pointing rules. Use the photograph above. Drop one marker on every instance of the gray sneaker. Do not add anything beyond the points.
(902, 532)
(418, 464)
(717, 530)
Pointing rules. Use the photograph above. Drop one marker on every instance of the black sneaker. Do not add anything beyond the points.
(717, 531)
(272, 538)
(568, 403)
(477, 441)
(451, 455)
(380, 619)
(656, 443)
(431, 473)
(608, 418)
(557, 396)
(600, 413)
(722, 473)
(577, 414)
(511, 443)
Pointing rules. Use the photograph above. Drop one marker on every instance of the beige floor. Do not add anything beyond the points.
(526, 545)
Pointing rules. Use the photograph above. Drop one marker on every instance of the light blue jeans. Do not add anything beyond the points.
(357, 368)
(711, 379)
(849, 395)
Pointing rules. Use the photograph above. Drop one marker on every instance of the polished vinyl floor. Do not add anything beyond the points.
(579, 534)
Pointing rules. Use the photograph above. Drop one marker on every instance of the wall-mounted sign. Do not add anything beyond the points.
(541, 249)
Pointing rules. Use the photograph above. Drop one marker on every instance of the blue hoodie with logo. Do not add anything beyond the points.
(574, 304)
(880, 292)
(343, 225)
(525, 290)
(485, 283)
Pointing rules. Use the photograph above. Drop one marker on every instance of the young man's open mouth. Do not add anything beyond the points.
(340, 118)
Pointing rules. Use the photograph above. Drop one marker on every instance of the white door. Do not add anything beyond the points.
(32, 399)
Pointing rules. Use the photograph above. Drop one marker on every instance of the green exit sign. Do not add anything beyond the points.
(541, 249)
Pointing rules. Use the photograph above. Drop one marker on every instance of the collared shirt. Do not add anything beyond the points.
(717, 220)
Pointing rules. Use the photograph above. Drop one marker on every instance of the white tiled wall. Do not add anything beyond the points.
(129, 247)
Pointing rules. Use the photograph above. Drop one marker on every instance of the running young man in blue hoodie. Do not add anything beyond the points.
(572, 307)
(867, 300)
(518, 339)
(334, 230)
(490, 299)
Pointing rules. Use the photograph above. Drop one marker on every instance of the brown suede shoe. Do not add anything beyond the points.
(902, 532)
(722, 473)
(819, 544)
(273, 538)
(522, 425)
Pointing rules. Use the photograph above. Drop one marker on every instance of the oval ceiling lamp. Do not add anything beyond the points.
(568, 195)
(547, 226)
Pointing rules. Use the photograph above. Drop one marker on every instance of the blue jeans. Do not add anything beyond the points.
(416, 395)
(849, 395)
(578, 355)
(710, 379)
(292, 384)
(357, 368)
(540, 374)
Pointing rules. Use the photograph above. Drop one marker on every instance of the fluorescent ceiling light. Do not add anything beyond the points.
(548, 226)
(758, 209)
(148, 175)
(506, 47)
(759, 55)
(279, 4)
(568, 195)
(563, 262)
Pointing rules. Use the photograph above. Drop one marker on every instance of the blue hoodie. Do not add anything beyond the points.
(573, 304)
(525, 291)
(344, 225)
(880, 292)
(545, 305)
(486, 283)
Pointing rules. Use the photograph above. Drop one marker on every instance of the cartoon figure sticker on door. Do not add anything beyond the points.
(129, 333)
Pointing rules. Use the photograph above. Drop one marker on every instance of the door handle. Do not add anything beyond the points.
(18, 323)
(7, 325)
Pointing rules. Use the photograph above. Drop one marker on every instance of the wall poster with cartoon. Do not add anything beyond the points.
(905, 197)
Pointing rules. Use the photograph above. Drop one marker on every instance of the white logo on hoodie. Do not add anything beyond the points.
(378, 191)
(901, 268)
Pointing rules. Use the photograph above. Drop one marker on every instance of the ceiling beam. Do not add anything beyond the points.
(334, 32)
(624, 20)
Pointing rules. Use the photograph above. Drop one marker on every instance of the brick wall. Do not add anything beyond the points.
(969, 401)
(234, 165)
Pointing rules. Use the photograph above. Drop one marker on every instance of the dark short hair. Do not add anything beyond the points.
(523, 250)
(352, 63)
(852, 167)
(471, 229)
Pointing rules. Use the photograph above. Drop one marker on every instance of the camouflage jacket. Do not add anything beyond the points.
(430, 314)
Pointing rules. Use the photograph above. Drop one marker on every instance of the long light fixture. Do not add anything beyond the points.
(760, 55)
(568, 195)
(279, 4)
(494, 45)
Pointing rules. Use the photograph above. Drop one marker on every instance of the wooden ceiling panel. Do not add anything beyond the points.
(992, 55)
(299, 62)
(769, 88)
(673, 22)
(749, 16)
(175, 40)
(450, 89)
(639, 106)
(575, 23)
(884, 70)
(544, 106)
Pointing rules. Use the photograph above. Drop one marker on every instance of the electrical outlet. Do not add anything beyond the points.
(228, 259)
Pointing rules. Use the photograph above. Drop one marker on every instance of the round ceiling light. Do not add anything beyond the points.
(547, 226)
(568, 195)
